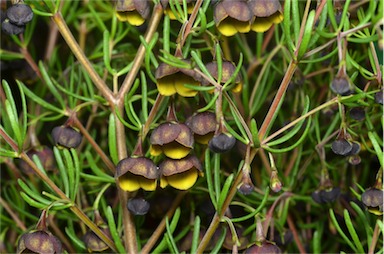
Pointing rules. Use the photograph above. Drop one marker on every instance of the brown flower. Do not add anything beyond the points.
(203, 126)
(266, 13)
(228, 69)
(181, 174)
(232, 17)
(133, 11)
(175, 140)
(171, 80)
(135, 173)
(39, 241)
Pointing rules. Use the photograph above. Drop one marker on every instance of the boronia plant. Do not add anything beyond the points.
(191, 126)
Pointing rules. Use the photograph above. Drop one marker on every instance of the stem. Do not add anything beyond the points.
(160, 228)
(295, 235)
(218, 215)
(76, 210)
(276, 101)
(93, 143)
(75, 48)
(130, 78)
(375, 237)
(13, 215)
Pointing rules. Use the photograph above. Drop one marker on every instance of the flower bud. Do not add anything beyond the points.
(341, 85)
(264, 247)
(221, 143)
(10, 28)
(39, 241)
(66, 136)
(379, 97)
(94, 243)
(326, 195)
(46, 157)
(341, 146)
(138, 206)
(372, 198)
(19, 14)
(357, 113)
(275, 183)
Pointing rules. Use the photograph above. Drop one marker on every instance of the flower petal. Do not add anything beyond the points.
(184, 91)
(155, 150)
(174, 150)
(134, 18)
(129, 182)
(148, 184)
(261, 25)
(227, 28)
(166, 87)
(183, 181)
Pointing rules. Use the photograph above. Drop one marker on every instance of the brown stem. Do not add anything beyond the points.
(130, 78)
(13, 215)
(295, 235)
(375, 237)
(78, 212)
(58, 232)
(218, 215)
(93, 143)
(160, 228)
(276, 101)
(75, 48)
(190, 22)
(31, 61)
(52, 38)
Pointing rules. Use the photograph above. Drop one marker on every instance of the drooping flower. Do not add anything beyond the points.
(135, 12)
(172, 80)
(232, 17)
(175, 140)
(266, 13)
(228, 69)
(66, 136)
(203, 126)
(134, 173)
(181, 174)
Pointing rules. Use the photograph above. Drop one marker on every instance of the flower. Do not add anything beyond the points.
(134, 173)
(175, 140)
(266, 13)
(171, 80)
(133, 11)
(203, 126)
(39, 241)
(181, 174)
(372, 198)
(221, 143)
(168, 10)
(228, 69)
(232, 17)
(66, 136)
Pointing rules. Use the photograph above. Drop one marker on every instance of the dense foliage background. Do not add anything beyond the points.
(294, 95)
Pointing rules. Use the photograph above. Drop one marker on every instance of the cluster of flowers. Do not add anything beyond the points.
(230, 16)
(16, 18)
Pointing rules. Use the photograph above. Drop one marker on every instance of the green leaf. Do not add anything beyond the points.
(294, 130)
(342, 234)
(352, 232)
(112, 141)
(112, 228)
(208, 170)
(172, 226)
(48, 82)
(375, 143)
(62, 169)
(224, 191)
(307, 34)
(196, 234)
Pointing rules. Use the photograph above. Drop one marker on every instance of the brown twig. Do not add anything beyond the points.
(295, 235)
(13, 215)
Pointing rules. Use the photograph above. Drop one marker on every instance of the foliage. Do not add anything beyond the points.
(277, 93)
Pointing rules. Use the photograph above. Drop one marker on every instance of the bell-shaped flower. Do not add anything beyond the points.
(228, 69)
(172, 80)
(134, 173)
(175, 140)
(135, 12)
(266, 13)
(181, 174)
(232, 17)
(203, 126)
